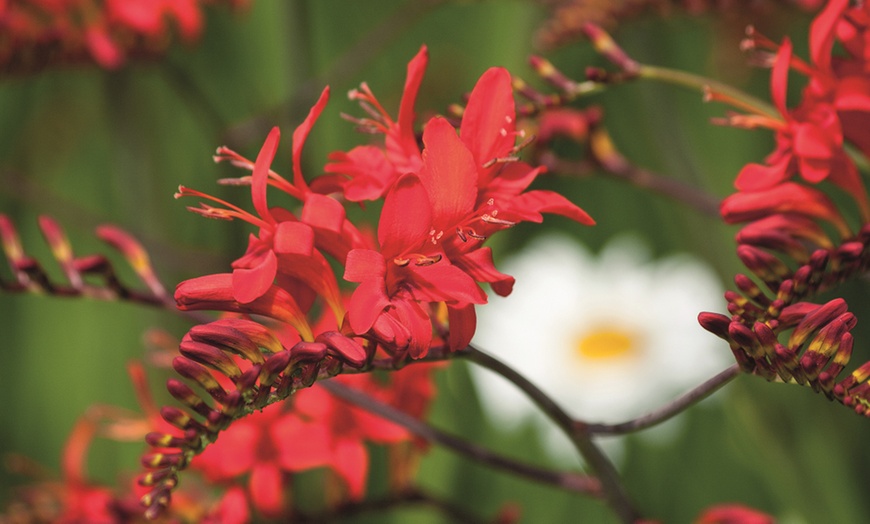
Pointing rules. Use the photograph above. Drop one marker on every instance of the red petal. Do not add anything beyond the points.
(351, 462)
(250, 284)
(478, 264)
(293, 238)
(812, 141)
(448, 174)
(323, 213)
(822, 33)
(411, 315)
(367, 302)
(489, 121)
(301, 445)
(301, 133)
(370, 173)
(443, 282)
(853, 94)
(267, 489)
(406, 217)
(787, 197)
(260, 175)
(401, 142)
(463, 322)
(779, 76)
(364, 264)
(533, 203)
(754, 177)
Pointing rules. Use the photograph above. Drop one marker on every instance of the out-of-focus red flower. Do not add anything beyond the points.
(733, 514)
(36, 33)
(811, 138)
(313, 430)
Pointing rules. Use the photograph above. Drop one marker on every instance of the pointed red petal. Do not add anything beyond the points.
(478, 264)
(779, 76)
(267, 489)
(531, 204)
(488, 123)
(443, 282)
(351, 462)
(754, 177)
(260, 176)
(406, 217)
(367, 302)
(822, 33)
(299, 136)
(449, 174)
(406, 140)
(463, 321)
(250, 284)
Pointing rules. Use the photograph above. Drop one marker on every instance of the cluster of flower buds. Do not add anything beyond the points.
(35, 34)
(28, 275)
(797, 238)
(418, 281)
(272, 373)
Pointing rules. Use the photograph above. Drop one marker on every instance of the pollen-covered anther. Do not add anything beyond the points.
(419, 260)
(500, 160)
(490, 218)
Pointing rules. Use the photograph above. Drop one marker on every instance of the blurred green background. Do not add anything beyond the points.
(89, 146)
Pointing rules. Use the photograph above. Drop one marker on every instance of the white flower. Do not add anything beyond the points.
(608, 337)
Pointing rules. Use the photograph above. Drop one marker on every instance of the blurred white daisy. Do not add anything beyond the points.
(609, 337)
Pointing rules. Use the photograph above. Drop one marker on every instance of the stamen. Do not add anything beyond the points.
(490, 219)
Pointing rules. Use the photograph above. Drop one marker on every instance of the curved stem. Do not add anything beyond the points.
(668, 411)
(703, 84)
(611, 486)
(564, 480)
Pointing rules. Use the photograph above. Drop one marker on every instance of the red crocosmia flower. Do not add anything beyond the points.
(257, 446)
(372, 170)
(83, 502)
(810, 141)
(433, 223)
(231, 509)
(787, 199)
(347, 427)
(315, 430)
(285, 259)
(733, 514)
(408, 270)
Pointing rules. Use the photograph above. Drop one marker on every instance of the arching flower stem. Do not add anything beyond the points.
(614, 492)
(668, 411)
(564, 480)
(706, 85)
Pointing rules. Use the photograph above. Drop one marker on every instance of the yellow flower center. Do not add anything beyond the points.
(606, 343)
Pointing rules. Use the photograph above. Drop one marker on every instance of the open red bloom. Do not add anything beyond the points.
(372, 170)
(434, 222)
(811, 138)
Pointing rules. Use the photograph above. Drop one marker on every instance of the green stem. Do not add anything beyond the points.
(701, 83)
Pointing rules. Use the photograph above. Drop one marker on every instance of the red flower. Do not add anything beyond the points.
(86, 30)
(433, 224)
(258, 446)
(810, 143)
(733, 514)
(316, 430)
(284, 268)
(372, 170)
